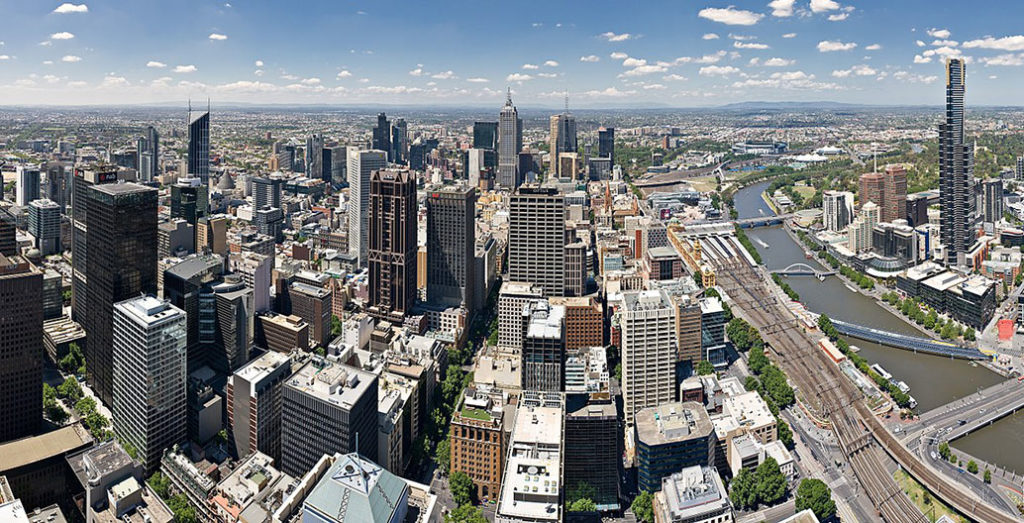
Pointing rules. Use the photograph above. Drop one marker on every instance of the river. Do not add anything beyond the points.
(933, 380)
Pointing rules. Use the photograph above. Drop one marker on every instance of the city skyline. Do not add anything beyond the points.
(660, 55)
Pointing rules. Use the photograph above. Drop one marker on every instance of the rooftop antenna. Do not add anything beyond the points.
(508, 96)
(189, 110)
(566, 101)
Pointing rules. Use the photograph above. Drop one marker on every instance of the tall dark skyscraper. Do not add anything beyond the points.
(84, 179)
(956, 191)
(121, 240)
(606, 143)
(199, 145)
(8, 234)
(485, 135)
(510, 142)
(382, 136)
(327, 165)
(392, 243)
(266, 191)
(21, 322)
(451, 244)
(314, 155)
(148, 152)
(190, 200)
(399, 141)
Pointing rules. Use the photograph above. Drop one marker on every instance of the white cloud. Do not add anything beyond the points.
(792, 75)
(634, 62)
(873, 47)
(155, 65)
(444, 75)
(548, 75)
(51, 79)
(1012, 60)
(1006, 43)
(742, 38)
(418, 71)
(310, 81)
(945, 43)
(518, 77)
(838, 17)
(344, 73)
(185, 69)
(782, 8)
(920, 43)
(64, 35)
(821, 6)
(944, 52)
(644, 69)
(939, 33)
(531, 67)
(551, 63)
(730, 16)
(77, 84)
(218, 36)
(914, 78)
(289, 77)
(46, 43)
(857, 70)
(4, 57)
(654, 86)
(477, 80)
(590, 58)
(789, 35)
(67, 8)
(717, 70)
(248, 86)
(612, 37)
(749, 45)
(709, 36)
(618, 55)
(919, 59)
(46, 62)
(258, 72)
(674, 78)
(70, 58)
(610, 92)
(778, 62)
(114, 81)
(259, 63)
(827, 46)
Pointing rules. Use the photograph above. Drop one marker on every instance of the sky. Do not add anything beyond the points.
(625, 53)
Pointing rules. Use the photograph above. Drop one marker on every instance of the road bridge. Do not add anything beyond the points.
(910, 343)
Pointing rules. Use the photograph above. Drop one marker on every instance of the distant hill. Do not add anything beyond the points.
(754, 105)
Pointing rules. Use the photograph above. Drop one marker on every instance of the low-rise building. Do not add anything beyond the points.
(479, 439)
(532, 487)
(693, 495)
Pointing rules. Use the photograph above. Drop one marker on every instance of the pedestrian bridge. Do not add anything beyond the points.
(802, 269)
(910, 343)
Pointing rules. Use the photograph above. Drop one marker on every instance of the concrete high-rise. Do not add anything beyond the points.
(8, 233)
(451, 246)
(993, 198)
(267, 190)
(44, 226)
(27, 184)
(887, 190)
(647, 320)
(254, 405)
(838, 209)
(543, 349)
(83, 180)
(149, 376)
(313, 304)
(392, 245)
(21, 322)
(121, 240)
(360, 165)
(956, 167)
(536, 238)
(199, 145)
(148, 151)
(510, 142)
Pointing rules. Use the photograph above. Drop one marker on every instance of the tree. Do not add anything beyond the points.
(751, 384)
(582, 490)
(814, 494)
(988, 476)
(463, 490)
(336, 326)
(160, 484)
(70, 390)
(969, 334)
(972, 467)
(643, 507)
(785, 433)
(583, 505)
(743, 490)
(705, 368)
(465, 514)
(183, 511)
(757, 361)
(442, 456)
(771, 483)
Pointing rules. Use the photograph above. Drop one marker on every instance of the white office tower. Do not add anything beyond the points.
(360, 165)
(838, 209)
(647, 320)
(149, 356)
(510, 142)
(44, 225)
(27, 185)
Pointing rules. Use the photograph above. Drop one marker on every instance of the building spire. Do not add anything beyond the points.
(567, 101)
(508, 95)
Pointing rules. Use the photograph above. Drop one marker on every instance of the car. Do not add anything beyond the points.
(934, 455)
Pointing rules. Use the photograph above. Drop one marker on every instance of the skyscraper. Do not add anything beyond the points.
(993, 198)
(121, 240)
(606, 143)
(543, 350)
(392, 243)
(510, 142)
(148, 151)
(149, 376)
(838, 209)
(199, 145)
(21, 322)
(894, 204)
(485, 135)
(44, 225)
(399, 141)
(184, 284)
(381, 140)
(360, 165)
(536, 238)
(190, 200)
(647, 320)
(254, 405)
(84, 179)
(27, 184)
(266, 191)
(314, 156)
(8, 234)
(451, 244)
(563, 139)
(956, 159)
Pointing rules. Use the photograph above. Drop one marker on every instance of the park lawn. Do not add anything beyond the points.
(933, 510)
(806, 191)
(703, 183)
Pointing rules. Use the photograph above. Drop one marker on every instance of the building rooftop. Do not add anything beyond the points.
(309, 290)
(24, 451)
(356, 490)
(149, 311)
(194, 266)
(533, 473)
(646, 300)
(545, 320)
(13, 512)
(332, 382)
(657, 253)
(691, 493)
(944, 280)
(749, 409)
(100, 461)
(672, 422)
(521, 288)
(118, 189)
(261, 367)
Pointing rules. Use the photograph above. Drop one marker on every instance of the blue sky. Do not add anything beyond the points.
(604, 53)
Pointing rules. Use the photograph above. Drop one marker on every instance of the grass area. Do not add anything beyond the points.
(933, 509)
(471, 413)
(703, 183)
(805, 190)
